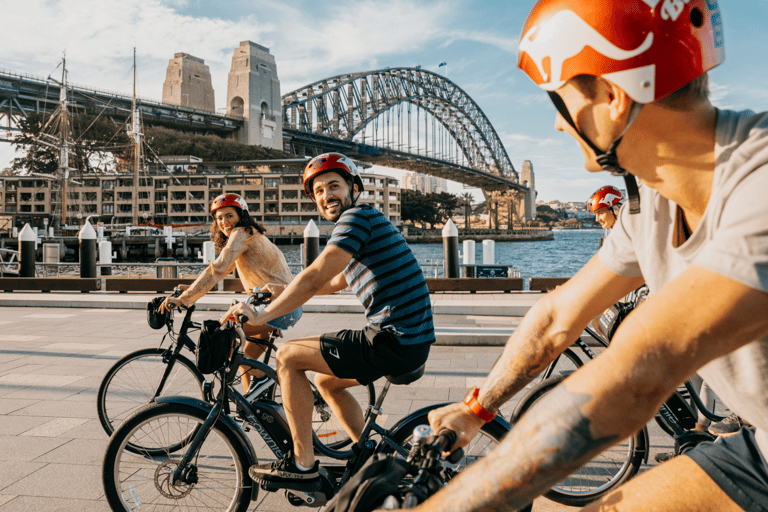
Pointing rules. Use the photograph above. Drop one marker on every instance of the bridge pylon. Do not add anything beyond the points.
(253, 92)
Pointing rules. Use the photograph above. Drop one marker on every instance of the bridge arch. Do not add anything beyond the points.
(345, 105)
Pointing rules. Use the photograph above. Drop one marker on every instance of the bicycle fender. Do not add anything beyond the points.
(404, 423)
(227, 421)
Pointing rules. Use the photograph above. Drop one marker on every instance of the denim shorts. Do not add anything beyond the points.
(285, 321)
(737, 467)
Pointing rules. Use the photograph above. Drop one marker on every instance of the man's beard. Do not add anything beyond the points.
(343, 205)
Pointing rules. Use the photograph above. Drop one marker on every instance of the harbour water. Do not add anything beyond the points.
(561, 257)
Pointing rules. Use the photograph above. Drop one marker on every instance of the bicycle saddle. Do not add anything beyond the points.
(406, 378)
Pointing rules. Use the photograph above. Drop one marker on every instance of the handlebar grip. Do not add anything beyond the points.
(447, 440)
(243, 319)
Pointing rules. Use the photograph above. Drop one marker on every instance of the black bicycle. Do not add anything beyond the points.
(622, 461)
(142, 376)
(194, 453)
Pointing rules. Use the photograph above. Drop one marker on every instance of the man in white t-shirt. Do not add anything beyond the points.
(629, 80)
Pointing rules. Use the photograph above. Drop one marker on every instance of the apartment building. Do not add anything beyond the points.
(274, 193)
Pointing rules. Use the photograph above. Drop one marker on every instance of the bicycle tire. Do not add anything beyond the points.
(490, 435)
(329, 437)
(564, 364)
(133, 380)
(600, 475)
(132, 480)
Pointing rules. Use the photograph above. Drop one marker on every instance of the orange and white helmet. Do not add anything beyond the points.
(649, 48)
(604, 197)
(330, 162)
(225, 200)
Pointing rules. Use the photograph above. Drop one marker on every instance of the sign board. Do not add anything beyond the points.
(491, 271)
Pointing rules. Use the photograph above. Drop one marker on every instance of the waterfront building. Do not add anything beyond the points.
(424, 183)
(179, 191)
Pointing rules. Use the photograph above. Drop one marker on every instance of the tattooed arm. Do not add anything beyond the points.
(550, 327)
(659, 345)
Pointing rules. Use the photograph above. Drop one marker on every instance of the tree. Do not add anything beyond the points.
(417, 207)
(445, 204)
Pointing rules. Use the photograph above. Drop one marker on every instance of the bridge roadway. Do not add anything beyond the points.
(55, 349)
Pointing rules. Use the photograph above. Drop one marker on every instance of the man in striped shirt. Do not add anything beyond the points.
(367, 253)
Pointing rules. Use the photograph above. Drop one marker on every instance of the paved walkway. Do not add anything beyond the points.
(55, 349)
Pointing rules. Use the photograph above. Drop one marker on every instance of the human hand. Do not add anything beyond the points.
(236, 311)
(460, 419)
(169, 303)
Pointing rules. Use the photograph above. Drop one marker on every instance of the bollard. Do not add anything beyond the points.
(489, 252)
(451, 249)
(27, 252)
(311, 243)
(87, 238)
(469, 258)
(105, 257)
(15, 233)
(208, 253)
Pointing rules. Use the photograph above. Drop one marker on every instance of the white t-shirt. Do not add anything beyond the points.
(731, 240)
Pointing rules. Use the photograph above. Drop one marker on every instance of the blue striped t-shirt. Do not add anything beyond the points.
(385, 275)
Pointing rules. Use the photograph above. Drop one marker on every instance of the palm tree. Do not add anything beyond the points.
(466, 200)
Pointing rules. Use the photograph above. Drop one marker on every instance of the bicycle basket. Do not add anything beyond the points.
(367, 489)
(155, 319)
(213, 347)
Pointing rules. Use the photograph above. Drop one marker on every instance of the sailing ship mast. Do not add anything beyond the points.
(136, 134)
(64, 142)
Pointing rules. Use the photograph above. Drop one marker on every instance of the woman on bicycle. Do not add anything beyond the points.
(240, 243)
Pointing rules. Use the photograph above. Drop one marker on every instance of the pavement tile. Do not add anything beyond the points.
(26, 449)
(5, 498)
(76, 451)
(15, 425)
(72, 481)
(8, 406)
(55, 428)
(12, 473)
(27, 503)
(59, 409)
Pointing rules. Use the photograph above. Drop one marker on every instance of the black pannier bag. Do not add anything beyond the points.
(612, 317)
(367, 489)
(213, 347)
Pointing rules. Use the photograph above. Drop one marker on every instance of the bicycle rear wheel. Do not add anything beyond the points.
(133, 381)
(330, 438)
(599, 476)
(564, 364)
(215, 479)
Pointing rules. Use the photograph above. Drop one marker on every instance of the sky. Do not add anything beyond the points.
(316, 39)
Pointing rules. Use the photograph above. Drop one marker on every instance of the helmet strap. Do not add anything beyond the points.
(608, 160)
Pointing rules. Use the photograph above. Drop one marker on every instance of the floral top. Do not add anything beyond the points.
(258, 263)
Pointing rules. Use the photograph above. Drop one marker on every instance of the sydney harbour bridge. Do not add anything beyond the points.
(403, 118)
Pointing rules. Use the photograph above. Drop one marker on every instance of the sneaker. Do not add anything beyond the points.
(663, 456)
(283, 474)
(255, 384)
(728, 426)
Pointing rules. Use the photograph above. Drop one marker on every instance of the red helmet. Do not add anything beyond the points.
(330, 162)
(649, 48)
(225, 200)
(604, 197)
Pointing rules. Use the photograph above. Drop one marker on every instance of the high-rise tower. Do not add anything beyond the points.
(188, 83)
(253, 92)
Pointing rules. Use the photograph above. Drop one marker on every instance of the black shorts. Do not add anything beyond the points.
(369, 354)
(737, 467)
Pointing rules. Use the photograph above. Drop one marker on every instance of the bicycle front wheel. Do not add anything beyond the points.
(216, 478)
(484, 442)
(134, 381)
(600, 475)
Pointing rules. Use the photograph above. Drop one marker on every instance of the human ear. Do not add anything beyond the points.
(619, 102)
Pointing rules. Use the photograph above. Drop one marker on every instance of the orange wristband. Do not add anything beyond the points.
(478, 410)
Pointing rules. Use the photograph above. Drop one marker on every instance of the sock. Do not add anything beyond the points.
(302, 468)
